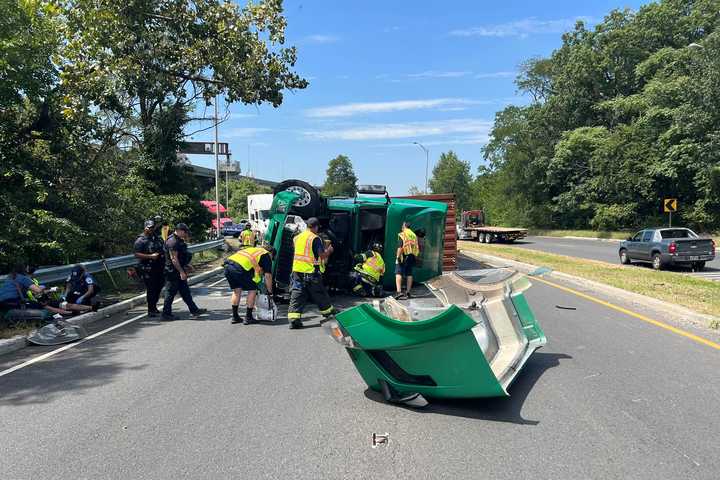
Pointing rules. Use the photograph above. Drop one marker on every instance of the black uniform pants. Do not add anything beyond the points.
(154, 283)
(175, 286)
(308, 287)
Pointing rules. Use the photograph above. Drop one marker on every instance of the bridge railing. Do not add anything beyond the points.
(60, 273)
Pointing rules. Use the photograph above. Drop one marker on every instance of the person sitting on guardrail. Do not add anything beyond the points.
(50, 300)
(14, 290)
(81, 288)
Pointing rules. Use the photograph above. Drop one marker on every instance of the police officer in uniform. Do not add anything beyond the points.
(177, 264)
(369, 271)
(405, 259)
(308, 267)
(245, 270)
(150, 250)
(247, 237)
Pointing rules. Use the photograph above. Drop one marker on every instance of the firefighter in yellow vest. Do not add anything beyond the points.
(309, 261)
(245, 270)
(247, 237)
(405, 259)
(369, 272)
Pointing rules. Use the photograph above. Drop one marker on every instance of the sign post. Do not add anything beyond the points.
(670, 206)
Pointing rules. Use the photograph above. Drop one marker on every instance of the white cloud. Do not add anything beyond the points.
(351, 109)
(437, 74)
(521, 28)
(495, 75)
(319, 39)
(239, 116)
(243, 132)
(476, 130)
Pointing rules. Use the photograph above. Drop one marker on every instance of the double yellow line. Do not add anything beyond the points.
(657, 323)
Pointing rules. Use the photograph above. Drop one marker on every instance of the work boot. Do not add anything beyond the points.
(249, 320)
(198, 312)
(296, 324)
(400, 296)
(167, 317)
(153, 314)
(236, 319)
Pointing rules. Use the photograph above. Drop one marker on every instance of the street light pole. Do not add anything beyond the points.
(217, 172)
(427, 163)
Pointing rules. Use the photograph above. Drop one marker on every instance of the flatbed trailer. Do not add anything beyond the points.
(494, 234)
(472, 227)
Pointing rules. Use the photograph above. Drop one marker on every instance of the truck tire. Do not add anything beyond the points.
(483, 238)
(657, 261)
(624, 258)
(309, 204)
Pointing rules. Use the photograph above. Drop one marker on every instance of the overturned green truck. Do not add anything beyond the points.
(464, 334)
(353, 225)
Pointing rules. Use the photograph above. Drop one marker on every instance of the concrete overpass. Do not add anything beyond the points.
(208, 174)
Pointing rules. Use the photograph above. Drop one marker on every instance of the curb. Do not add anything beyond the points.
(678, 312)
(18, 342)
(569, 237)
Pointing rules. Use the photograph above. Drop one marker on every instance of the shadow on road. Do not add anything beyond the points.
(506, 409)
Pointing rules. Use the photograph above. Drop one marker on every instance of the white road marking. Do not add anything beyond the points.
(44, 356)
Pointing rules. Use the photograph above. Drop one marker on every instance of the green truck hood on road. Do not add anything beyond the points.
(471, 349)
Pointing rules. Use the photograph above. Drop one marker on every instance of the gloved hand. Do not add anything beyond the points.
(52, 289)
(358, 258)
(80, 300)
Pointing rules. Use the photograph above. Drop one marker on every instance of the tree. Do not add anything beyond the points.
(341, 179)
(145, 63)
(414, 190)
(452, 175)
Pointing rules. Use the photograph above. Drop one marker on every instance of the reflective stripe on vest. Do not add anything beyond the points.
(409, 242)
(374, 266)
(249, 259)
(304, 260)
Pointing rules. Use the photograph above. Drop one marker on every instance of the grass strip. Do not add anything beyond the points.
(694, 293)
(580, 233)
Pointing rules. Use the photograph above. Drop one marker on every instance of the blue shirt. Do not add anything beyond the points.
(9, 291)
(82, 284)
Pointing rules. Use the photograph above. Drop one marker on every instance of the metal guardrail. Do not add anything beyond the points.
(57, 274)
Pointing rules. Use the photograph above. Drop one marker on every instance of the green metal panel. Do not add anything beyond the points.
(421, 214)
(372, 330)
(443, 348)
(527, 319)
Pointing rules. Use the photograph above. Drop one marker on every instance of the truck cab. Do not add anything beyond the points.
(353, 225)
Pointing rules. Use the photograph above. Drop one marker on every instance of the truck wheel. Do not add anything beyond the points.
(657, 261)
(309, 204)
(624, 259)
(483, 238)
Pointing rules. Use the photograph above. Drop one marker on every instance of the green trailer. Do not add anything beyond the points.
(352, 225)
(469, 337)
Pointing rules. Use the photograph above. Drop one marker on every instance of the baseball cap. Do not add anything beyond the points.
(312, 222)
(182, 226)
(149, 223)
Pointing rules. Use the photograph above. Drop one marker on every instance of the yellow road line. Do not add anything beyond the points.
(639, 316)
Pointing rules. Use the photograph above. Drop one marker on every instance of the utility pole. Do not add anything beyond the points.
(227, 188)
(217, 171)
(427, 163)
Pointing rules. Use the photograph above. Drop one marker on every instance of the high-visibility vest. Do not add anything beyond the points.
(248, 238)
(249, 259)
(304, 260)
(409, 242)
(374, 267)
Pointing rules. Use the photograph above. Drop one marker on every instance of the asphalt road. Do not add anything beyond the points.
(609, 397)
(603, 251)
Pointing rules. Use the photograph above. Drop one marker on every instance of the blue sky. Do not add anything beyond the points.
(385, 74)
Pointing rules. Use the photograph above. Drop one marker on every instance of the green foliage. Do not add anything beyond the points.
(621, 116)
(95, 98)
(341, 179)
(452, 175)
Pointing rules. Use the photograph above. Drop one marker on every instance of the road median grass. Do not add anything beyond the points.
(694, 293)
(580, 233)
